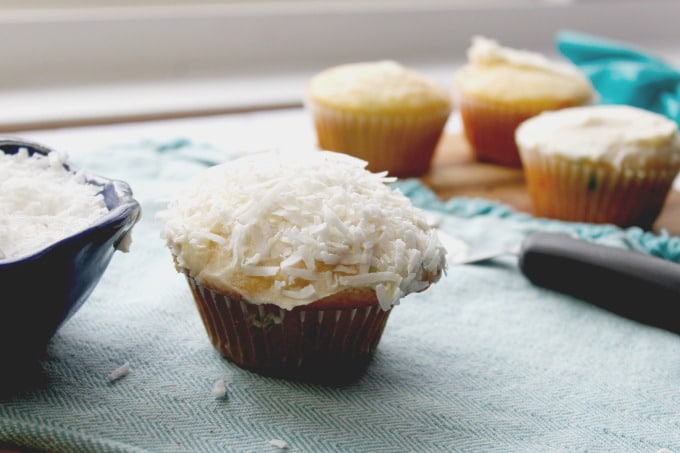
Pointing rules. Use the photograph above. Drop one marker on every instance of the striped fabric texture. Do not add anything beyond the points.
(481, 362)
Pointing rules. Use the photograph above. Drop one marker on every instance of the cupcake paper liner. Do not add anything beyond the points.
(490, 127)
(402, 145)
(587, 191)
(313, 342)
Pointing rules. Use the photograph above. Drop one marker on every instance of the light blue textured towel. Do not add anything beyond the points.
(482, 361)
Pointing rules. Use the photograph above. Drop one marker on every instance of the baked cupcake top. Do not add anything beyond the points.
(618, 134)
(291, 229)
(503, 74)
(383, 87)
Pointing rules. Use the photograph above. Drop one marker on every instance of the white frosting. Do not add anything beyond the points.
(616, 134)
(487, 51)
(290, 229)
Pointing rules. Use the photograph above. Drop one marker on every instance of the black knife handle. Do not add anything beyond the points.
(632, 284)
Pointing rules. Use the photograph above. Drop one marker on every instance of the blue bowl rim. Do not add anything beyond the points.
(126, 211)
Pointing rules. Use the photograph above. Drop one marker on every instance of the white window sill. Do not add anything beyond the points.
(90, 105)
(238, 133)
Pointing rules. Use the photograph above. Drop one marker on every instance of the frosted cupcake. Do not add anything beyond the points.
(381, 112)
(295, 261)
(500, 87)
(600, 164)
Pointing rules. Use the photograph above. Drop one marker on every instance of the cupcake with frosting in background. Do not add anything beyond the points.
(296, 261)
(500, 87)
(601, 164)
(382, 112)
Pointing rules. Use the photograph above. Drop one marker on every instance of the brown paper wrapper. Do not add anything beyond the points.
(310, 342)
(490, 127)
(596, 192)
(402, 145)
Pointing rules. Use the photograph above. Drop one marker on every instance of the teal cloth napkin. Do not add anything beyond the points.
(623, 74)
(482, 361)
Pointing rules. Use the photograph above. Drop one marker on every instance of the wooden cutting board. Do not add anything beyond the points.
(456, 173)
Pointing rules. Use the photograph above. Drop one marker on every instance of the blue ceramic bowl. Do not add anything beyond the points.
(41, 291)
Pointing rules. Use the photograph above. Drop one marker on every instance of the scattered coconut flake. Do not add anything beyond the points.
(219, 389)
(259, 271)
(302, 293)
(119, 372)
(124, 244)
(373, 278)
(278, 443)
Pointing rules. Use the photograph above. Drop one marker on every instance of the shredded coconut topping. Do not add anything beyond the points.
(290, 229)
(41, 202)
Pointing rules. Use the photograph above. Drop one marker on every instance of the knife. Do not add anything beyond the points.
(632, 284)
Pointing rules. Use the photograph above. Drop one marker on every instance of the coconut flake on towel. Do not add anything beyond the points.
(219, 389)
(278, 443)
(307, 225)
(119, 372)
(41, 202)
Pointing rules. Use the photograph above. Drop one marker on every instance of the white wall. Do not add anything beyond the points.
(100, 64)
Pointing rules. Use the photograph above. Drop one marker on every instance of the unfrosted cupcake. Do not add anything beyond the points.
(382, 112)
(600, 164)
(295, 261)
(500, 87)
